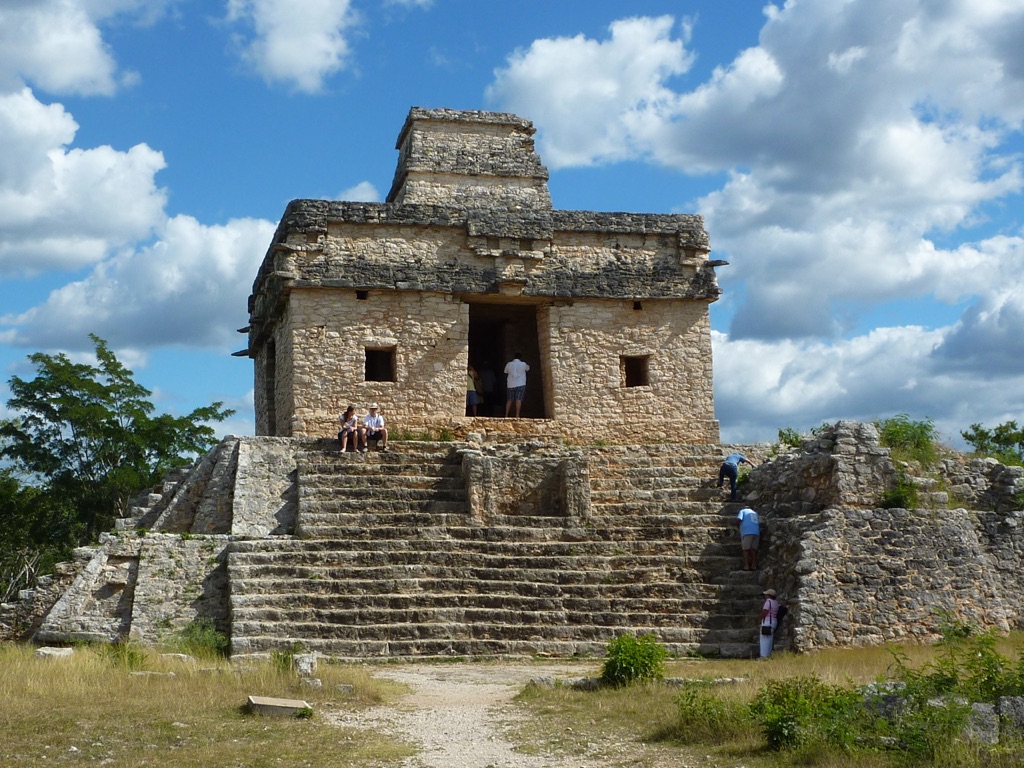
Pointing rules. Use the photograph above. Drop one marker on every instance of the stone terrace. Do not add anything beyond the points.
(391, 558)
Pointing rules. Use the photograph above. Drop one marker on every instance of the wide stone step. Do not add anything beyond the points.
(485, 608)
(321, 487)
(457, 630)
(357, 466)
(696, 598)
(326, 498)
(460, 622)
(341, 564)
(322, 551)
(391, 506)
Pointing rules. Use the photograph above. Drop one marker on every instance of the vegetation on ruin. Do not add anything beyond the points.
(126, 706)
(855, 708)
(632, 659)
(1004, 442)
(83, 441)
(908, 439)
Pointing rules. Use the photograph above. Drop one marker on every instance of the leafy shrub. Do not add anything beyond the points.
(1004, 442)
(909, 440)
(284, 661)
(789, 436)
(903, 495)
(632, 659)
(803, 711)
(201, 638)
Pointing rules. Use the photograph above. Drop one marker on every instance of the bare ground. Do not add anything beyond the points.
(463, 715)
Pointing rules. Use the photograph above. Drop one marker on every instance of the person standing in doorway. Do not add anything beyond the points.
(515, 384)
(489, 383)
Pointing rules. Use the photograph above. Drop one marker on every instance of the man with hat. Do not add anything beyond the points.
(769, 620)
(374, 429)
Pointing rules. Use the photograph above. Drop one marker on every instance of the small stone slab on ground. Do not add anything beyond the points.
(54, 653)
(268, 705)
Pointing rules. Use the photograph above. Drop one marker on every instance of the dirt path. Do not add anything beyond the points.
(457, 715)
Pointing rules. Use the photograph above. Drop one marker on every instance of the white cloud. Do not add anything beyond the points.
(590, 98)
(65, 208)
(57, 45)
(297, 42)
(363, 192)
(851, 147)
(188, 288)
(761, 386)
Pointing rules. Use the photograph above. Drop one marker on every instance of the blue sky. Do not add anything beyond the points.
(858, 163)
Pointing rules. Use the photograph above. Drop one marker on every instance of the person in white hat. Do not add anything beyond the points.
(374, 429)
(769, 620)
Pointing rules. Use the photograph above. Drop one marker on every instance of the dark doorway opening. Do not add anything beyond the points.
(496, 333)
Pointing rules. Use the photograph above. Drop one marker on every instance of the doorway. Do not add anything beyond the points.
(496, 333)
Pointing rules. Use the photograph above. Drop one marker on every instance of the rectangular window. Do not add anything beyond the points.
(635, 370)
(380, 364)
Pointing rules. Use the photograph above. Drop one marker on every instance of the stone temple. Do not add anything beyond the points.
(468, 263)
(546, 534)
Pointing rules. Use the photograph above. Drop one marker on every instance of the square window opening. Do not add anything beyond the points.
(635, 370)
(362, 295)
(380, 364)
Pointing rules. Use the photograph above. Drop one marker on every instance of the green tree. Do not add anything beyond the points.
(1004, 442)
(86, 437)
(35, 532)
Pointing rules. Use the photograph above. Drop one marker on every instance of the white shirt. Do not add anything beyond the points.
(373, 421)
(515, 373)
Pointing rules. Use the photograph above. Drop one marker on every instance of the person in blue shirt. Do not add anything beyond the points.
(750, 537)
(731, 469)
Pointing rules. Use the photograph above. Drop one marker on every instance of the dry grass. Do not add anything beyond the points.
(597, 724)
(90, 709)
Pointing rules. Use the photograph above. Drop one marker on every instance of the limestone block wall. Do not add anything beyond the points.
(427, 334)
(587, 342)
(448, 157)
(265, 497)
(143, 586)
(870, 576)
(983, 483)
(526, 479)
(855, 574)
(841, 466)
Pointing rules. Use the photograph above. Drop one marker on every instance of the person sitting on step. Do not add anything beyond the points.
(374, 429)
(349, 433)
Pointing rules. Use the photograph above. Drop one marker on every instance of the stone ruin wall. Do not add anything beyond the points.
(428, 334)
(856, 574)
(852, 573)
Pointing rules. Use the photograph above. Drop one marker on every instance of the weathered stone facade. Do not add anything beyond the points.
(857, 574)
(468, 263)
(594, 534)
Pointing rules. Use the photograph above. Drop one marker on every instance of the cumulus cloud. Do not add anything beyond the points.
(64, 208)
(363, 192)
(761, 386)
(297, 42)
(57, 45)
(188, 288)
(850, 148)
(860, 160)
(591, 98)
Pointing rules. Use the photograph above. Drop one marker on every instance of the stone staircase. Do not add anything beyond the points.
(387, 560)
